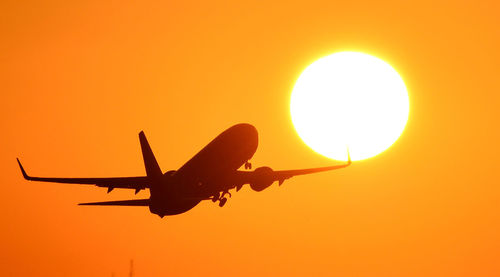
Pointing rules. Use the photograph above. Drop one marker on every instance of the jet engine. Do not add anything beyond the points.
(263, 178)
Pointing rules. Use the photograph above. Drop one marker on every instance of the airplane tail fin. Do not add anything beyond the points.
(152, 168)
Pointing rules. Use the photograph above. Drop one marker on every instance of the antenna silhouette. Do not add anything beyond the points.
(131, 274)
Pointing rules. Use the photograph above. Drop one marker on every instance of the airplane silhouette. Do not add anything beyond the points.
(209, 175)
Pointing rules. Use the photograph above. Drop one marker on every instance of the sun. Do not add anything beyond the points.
(349, 99)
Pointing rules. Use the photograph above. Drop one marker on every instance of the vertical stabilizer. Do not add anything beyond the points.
(152, 168)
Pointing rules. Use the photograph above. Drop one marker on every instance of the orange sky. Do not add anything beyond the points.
(79, 81)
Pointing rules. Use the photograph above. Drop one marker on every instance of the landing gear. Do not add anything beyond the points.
(222, 202)
(221, 197)
(216, 197)
(224, 193)
(248, 165)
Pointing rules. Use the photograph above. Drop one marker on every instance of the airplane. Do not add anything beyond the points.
(209, 175)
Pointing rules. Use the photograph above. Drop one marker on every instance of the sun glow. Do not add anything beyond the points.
(349, 99)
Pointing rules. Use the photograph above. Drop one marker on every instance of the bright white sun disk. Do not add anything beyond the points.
(349, 99)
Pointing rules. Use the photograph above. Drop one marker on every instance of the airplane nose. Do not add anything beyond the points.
(247, 135)
(244, 128)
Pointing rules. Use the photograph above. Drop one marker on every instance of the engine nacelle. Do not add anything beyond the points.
(263, 178)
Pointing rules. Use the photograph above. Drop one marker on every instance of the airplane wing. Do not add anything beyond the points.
(281, 175)
(263, 177)
(137, 183)
(246, 177)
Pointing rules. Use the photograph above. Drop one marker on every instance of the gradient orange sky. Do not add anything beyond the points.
(79, 81)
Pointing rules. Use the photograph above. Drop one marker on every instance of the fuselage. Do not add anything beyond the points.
(206, 174)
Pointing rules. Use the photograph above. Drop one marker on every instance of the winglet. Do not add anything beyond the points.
(22, 170)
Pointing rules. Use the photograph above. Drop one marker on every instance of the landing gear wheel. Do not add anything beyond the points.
(224, 194)
(215, 197)
(248, 165)
(222, 202)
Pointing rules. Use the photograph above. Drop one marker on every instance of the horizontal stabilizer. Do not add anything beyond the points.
(132, 202)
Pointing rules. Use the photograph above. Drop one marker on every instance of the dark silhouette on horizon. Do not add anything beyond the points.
(131, 272)
(209, 175)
